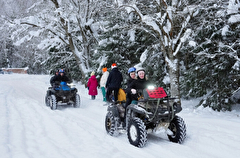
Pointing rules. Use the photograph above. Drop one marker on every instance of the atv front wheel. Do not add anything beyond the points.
(111, 124)
(47, 100)
(76, 103)
(137, 133)
(52, 102)
(178, 127)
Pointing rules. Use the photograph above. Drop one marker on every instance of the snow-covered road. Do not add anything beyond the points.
(29, 129)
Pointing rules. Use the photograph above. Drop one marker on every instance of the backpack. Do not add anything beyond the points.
(121, 95)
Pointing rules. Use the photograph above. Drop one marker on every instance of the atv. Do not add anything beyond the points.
(62, 93)
(154, 111)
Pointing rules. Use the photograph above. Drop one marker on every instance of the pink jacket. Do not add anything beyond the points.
(92, 85)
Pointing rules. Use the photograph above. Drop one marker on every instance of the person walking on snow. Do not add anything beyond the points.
(92, 86)
(103, 81)
(113, 82)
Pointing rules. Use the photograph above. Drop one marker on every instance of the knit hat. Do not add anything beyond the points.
(93, 73)
(114, 65)
(104, 69)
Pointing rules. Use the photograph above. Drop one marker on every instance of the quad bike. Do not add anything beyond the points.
(62, 93)
(155, 111)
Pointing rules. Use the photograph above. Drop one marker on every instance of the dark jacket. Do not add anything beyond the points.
(129, 81)
(53, 79)
(60, 78)
(114, 79)
(63, 78)
(139, 85)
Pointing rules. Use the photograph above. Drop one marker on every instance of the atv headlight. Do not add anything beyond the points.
(151, 87)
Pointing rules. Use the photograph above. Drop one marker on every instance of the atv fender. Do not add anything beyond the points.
(74, 90)
(177, 107)
(134, 108)
(114, 110)
(137, 109)
(49, 92)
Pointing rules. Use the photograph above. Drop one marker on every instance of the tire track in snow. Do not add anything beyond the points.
(15, 138)
(33, 124)
(71, 133)
(57, 136)
(4, 120)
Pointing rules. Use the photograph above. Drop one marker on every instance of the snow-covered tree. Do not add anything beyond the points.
(118, 42)
(13, 8)
(168, 21)
(212, 65)
(124, 43)
(13, 56)
(65, 24)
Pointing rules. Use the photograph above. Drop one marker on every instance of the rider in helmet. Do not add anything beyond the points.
(132, 77)
(139, 84)
(52, 80)
(61, 77)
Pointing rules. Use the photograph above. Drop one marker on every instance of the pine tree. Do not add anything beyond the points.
(211, 59)
(118, 43)
(167, 21)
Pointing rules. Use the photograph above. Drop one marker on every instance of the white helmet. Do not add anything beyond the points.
(140, 69)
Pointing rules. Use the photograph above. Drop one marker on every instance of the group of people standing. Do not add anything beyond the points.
(111, 83)
(108, 81)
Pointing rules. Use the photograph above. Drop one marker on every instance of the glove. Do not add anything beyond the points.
(133, 91)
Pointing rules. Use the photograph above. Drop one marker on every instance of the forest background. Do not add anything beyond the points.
(189, 47)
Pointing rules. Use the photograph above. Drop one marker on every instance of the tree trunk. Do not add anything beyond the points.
(70, 43)
(72, 47)
(173, 70)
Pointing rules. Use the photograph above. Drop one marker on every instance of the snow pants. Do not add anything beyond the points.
(104, 93)
(109, 92)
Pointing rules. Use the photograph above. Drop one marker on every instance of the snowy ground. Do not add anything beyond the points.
(29, 129)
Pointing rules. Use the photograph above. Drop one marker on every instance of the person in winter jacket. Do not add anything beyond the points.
(53, 79)
(103, 81)
(138, 85)
(113, 82)
(132, 77)
(92, 86)
(60, 78)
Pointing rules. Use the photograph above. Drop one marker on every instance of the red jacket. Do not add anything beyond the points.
(92, 85)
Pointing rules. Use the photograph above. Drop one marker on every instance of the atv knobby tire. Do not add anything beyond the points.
(137, 133)
(52, 102)
(47, 100)
(76, 103)
(111, 124)
(178, 127)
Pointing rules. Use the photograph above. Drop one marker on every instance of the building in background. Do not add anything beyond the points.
(15, 70)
